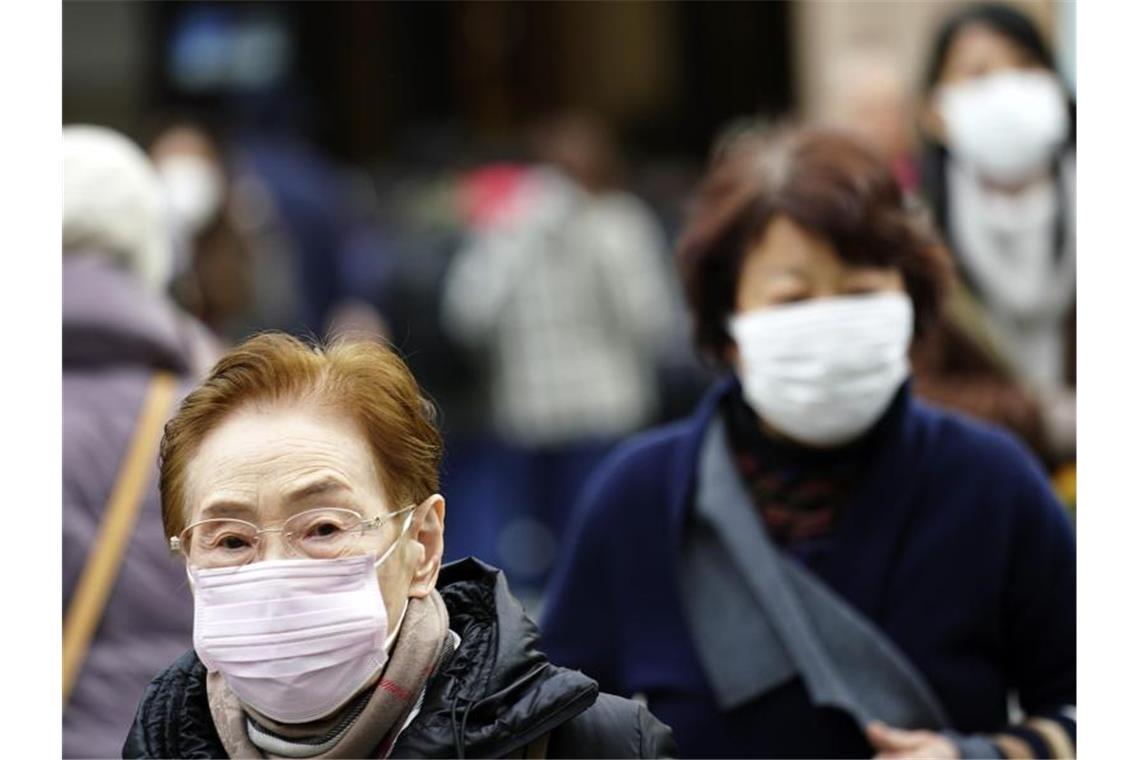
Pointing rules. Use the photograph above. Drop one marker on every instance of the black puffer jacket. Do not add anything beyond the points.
(495, 696)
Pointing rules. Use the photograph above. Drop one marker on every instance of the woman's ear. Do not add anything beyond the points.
(427, 531)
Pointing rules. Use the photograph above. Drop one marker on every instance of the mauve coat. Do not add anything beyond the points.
(115, 335)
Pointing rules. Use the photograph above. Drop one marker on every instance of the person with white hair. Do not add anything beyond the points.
(127, 354)
(112, 203)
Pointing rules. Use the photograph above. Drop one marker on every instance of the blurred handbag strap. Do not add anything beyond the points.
(110, 545)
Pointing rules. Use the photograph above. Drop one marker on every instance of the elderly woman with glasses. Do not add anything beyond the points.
(300, 485)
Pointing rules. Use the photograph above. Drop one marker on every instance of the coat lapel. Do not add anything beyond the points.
(873, 529)
(685, 460)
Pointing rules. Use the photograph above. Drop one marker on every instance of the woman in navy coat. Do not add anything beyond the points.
(816, 563)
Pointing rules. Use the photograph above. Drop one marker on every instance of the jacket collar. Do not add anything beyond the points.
(498, 692)
(869, 533)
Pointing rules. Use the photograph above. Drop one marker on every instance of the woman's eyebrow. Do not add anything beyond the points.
(226, 508)
(324, 485)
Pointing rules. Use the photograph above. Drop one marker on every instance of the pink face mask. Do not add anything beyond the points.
(294, 639)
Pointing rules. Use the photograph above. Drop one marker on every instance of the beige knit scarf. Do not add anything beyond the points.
(413, 658)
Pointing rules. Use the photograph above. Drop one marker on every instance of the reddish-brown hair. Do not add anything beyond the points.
(365, 380)
(825, 181)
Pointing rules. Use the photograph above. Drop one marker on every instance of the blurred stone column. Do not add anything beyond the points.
(105, 63)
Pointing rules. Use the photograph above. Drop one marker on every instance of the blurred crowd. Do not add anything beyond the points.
(534, 294)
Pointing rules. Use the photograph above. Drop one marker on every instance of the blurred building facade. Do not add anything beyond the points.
(667, 73)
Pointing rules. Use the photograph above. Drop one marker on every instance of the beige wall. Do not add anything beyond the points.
(830, 32)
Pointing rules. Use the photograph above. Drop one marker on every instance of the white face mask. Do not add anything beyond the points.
(193, 188)
(294, 639)
(823, 371)
(1005, 125)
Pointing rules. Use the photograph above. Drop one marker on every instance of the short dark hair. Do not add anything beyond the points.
(1008, 22)
(825, 181)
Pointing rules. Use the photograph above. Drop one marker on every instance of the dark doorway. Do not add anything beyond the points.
(367, 80)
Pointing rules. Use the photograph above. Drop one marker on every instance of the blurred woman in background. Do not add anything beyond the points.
(816, 564)
(564, 291)
(213, 264)
(998, 172)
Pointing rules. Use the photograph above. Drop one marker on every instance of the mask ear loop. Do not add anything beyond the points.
(391, 639)
(396, 631)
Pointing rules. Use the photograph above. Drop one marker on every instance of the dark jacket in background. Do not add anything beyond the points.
(953, 546)
(115, 336)
(497, 694)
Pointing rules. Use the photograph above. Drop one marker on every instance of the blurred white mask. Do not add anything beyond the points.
(1006, 125)
(824, 371)
(194, 188)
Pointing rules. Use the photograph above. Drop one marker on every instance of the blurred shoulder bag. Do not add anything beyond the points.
(110, 545)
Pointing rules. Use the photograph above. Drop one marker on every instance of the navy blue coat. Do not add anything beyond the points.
(954, 545)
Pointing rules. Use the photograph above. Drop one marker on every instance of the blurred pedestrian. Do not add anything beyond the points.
(300, 485)
(563, 288)
(123, 339)
(213, 259)
(998, 172)
(869, 95)
(302, 207)
(817, 564)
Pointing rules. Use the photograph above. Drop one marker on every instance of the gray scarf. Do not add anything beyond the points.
(759, 619)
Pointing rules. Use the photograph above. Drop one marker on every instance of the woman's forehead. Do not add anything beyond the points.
(285, 447)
